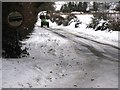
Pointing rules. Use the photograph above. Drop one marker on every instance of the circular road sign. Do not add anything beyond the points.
(15, 19)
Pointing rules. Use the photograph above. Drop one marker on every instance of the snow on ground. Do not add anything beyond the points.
(46, 58)
(64, 16)
(53, 62)
(58, 62)
(100, 36)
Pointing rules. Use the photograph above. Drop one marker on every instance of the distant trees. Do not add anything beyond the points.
(88, 6)
(95, 6)
(65, 8)
(84, 7)
(79, 7)
(72, 6)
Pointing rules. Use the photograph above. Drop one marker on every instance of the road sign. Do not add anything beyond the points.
(15, 19)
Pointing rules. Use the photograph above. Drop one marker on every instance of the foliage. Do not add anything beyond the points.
(95, 6)
(109, 23)
(72, 6)
(61, 20)
(11, 36)
(114, 25)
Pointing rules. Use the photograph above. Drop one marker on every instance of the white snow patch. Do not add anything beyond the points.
(64, 16)
(100, 36)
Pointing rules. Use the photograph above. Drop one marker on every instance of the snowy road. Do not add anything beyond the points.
(101, 50)
(61, 59)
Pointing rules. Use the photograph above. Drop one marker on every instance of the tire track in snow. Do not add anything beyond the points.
(68, 35)
(54, 30)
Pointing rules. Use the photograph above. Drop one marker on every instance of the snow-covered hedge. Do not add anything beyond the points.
(65, 21)
(115, 25)
(103, 22)
(99, 24)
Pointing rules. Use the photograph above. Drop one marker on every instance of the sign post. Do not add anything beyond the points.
(15, 20)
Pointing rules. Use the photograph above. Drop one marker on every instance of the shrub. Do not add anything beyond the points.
(61, 20)
(109, 22)
(114, 25)
(93, 23)
(100, 16)
(58, 19)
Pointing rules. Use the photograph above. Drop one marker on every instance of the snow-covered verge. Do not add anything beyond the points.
(107, 37)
